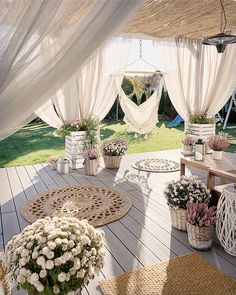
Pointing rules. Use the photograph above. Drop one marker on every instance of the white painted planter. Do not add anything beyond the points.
(198, 131)
(74, 145)
(200, 238)
(217, 155)
(91, 167)
(187, 150)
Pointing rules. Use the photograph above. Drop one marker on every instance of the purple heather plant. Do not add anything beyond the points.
(90, 153)
(188, 140)
(199, 214)
(114, 147)
(219, 142)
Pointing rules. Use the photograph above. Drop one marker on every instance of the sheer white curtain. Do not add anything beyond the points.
(142, 118)
(198, 79)
(91, 91)
(43, 43)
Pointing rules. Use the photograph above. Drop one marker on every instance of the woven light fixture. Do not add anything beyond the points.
(220, 40)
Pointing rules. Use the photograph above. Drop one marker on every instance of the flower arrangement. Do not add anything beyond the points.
(114, 147)
(200, 118)
(90, 125)
(90, 153)
(219, 142)
(55, 256)
(199, 214)
(67, 127)
(188, 140)
(179, 192)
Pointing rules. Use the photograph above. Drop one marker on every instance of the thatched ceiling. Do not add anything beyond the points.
(182, 18)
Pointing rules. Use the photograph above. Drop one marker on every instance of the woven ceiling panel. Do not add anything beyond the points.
(182, 18)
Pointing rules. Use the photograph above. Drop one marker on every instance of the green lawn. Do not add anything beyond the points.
(35, 142)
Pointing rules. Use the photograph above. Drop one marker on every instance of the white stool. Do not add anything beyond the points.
(226, 219)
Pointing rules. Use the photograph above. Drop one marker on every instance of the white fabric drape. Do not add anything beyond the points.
(43, 43)
(92, 90)
(198, 79)
(142, 118)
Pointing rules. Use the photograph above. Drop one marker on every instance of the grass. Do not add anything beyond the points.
(35, 142)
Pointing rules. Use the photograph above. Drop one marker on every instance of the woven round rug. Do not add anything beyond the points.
(156, 165)
(99, 205)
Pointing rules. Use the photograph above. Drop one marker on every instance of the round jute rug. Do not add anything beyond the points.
(99, 205)
(156, 165)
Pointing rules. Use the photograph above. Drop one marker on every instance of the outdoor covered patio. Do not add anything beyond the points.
(63, 63)
(142, 237)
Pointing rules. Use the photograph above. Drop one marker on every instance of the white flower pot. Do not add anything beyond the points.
(200, 238)
(178, 218)
(187, 150)
(112, 162)
(91, 167)
(217, 155)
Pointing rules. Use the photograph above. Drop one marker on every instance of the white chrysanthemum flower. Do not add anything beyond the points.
(41, 261)
(56, 289)
(51, 245)
(34, 278)
(43, 273)
(61, 277)
(50, 255)
(39, 287)
(49, 264)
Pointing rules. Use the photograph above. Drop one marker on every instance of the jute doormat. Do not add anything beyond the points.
(156, 165)
(99, 205)
(186, 275)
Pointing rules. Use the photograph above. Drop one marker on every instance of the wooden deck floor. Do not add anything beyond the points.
(142, 237)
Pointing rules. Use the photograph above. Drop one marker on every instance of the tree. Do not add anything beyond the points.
(127, 86)
(143, 98)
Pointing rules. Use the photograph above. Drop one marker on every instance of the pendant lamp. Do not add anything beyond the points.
(222, 39)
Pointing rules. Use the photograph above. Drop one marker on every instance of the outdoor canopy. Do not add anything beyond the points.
(50, 47)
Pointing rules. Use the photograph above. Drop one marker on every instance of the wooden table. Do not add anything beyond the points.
(226, 164)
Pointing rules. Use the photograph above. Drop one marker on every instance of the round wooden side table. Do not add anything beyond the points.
(226, 219)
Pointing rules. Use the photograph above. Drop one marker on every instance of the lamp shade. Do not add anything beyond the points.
(220, 40)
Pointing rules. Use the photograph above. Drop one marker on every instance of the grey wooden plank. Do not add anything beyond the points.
(7, 204)
(26, 182)
(121, 253)
(155, 245)
(138, 249)
(18, 194)
(10, 226)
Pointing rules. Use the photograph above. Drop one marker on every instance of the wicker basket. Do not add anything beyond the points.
(112, 162)
(200, 238)
(91, 167)
(178, 218)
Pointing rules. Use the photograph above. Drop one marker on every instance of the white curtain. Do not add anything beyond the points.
(43, 43)
(91, 91)
(142, 118)
(198, 79)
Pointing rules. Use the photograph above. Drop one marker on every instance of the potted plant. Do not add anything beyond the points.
(52, 161)
(113, 150)
(78, 134)
(188, 143)
(179, 192)
(199, 125)
(55, 256)
(200, 225)
(91, 157)
(218, 143)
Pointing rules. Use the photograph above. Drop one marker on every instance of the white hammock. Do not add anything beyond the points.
(141, 119)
